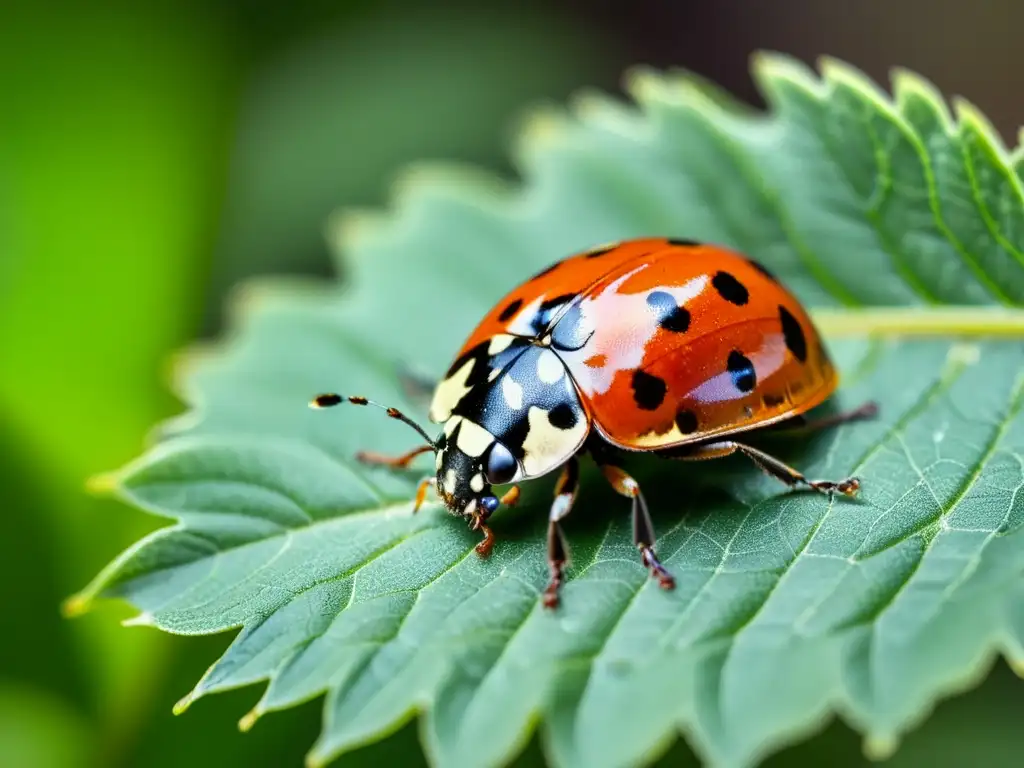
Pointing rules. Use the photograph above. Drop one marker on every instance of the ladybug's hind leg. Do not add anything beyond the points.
(565, 494)
(866, 411)
(772, 466)
(643, 528)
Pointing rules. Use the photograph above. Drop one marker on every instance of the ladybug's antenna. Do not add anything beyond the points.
(331, 399)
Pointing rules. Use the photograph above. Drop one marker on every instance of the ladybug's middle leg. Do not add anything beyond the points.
(643, 528)
(772, 466)
(565, 494)
(396, 462)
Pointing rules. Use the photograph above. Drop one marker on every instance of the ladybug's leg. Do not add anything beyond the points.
(866, 411)
(643, 528)
(773, 467)
(565, 494)
(396, 462)
(421, 492)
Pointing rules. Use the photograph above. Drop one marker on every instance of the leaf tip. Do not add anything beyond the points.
(76, 605)
(249, 720)
(879, 748)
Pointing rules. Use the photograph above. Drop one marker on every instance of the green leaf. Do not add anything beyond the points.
(789, 607)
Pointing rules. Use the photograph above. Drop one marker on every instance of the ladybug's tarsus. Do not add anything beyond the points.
(643, 528)
(565, 495)
(487, 544)
(868, 410)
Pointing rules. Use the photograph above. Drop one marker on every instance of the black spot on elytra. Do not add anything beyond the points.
(648, 391)
(742, 371)
(508, 312)
(793, 334)
(687, 422)
(671, 316)
(562, 416)
(763, 270)
(730, 289)
(684, 242)
(600, 251)
(772, 400)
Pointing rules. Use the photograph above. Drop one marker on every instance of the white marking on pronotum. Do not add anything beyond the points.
(473, 439)
(499, 343)
(513, 392)
(450, 391)
(549, 367)
(476, 483)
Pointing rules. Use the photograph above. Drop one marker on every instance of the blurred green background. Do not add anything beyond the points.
(154, 154)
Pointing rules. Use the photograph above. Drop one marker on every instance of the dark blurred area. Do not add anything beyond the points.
(153, 155)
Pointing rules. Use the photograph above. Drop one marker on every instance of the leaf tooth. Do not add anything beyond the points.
(840, 73)
(142, 619)
(908, 85)
(103, 484)
(969, 114)
(773, 72)
(249, 719)
(1016, 664)
(182, 705)
(76, 605)
(879, 747)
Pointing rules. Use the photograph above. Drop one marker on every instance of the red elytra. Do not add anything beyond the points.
(660, 346)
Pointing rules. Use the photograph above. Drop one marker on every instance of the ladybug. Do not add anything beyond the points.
(664, 346)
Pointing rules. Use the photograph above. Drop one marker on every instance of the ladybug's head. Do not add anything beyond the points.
(469, 461)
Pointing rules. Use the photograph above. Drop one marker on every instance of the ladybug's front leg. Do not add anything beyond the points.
(565, 494)
(643, 528)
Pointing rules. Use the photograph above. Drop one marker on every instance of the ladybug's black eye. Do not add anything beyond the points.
(501, 465)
